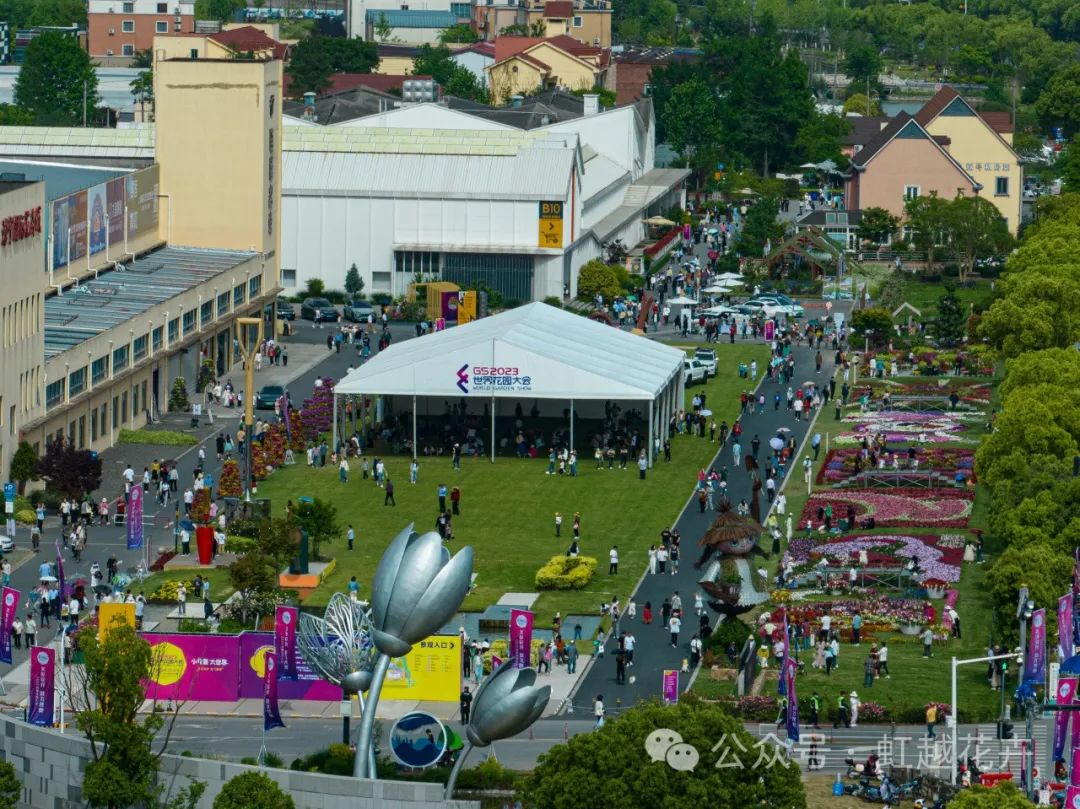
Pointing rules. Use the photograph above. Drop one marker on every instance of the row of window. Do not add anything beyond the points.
(21, 319)
(129, 8)
(128, 27)
(1001, 189)
(99, 417)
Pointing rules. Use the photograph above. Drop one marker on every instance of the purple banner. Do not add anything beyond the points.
(792, 718)
(1066, 691)
(1074, 770)
(1035, 661)
(521, 627)
(1076, 598)
(671, 686)
(39, 701)
(8, 610)
(271, 714)
(134, 517)
(285, 641)
(254, 647)
(1064, 626)
(193, 667)
(1072, 797)
(686, 233)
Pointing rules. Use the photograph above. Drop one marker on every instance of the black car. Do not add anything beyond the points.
(318, 309)
(285, 310)
(267, 397)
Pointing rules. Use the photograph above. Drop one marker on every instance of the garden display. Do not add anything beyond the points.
(898, 425)
(942, 508)
(939, 557)
(948, 461)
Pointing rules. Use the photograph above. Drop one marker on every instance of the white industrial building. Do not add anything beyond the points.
(441, 192)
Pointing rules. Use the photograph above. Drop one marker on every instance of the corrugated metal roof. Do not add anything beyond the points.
(413, 141)
(411, 18)
(114, 297)
(136, 142)
(530, 173)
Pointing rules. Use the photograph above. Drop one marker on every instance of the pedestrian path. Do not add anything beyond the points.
(653, 653)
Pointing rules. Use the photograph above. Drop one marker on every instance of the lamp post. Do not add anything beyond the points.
(248, 349)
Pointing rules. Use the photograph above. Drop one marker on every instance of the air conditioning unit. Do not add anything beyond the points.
(112, 32)
(108, 53)
(112, 10)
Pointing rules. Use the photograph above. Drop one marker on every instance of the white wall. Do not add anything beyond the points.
(428, 116)
(616, 134)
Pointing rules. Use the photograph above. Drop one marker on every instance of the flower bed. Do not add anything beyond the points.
(840, 463)
(939, 557)
(972, 393)
(879, 613)
(902, 426)
(942, 508)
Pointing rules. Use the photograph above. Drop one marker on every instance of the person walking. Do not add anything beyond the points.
(927, 642)
(465, 702)
(455, 500)
(181, 599)
(868, 671)
(856, 628)
(931, 720)
(389, 500)
(843, 715)
(571, 658)
(642, 465)
(620, 666)
(30, 630)
(558, 525)
(598, 710)
(343, 470)
(854, 702)
(442, 491)
(815, 709)
(350, 536)
(613, 561)
(675, 626)
(883, 661)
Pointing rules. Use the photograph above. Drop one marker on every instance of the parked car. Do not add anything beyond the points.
(695, 371)
(318, 309)
(707, 357)
(717, 311)
(788, 310)
(773, 297)
(7, 544)
(285, 310)
(268, 396)
(357, 311)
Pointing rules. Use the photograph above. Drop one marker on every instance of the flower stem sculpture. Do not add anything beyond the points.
(506, 704)
(417, 589)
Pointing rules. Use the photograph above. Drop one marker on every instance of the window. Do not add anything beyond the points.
(99, 370)
(911, 192)
(174, 330)
(115, 412)
(120, 358)
(139, 347)
(577, 22)
(288, 278)
(123, 408)
(54, 394)
(104, 418)
(162, 8)
(1001, 186)
(134, 401)
(161, 27)
(238, 296)
(77, 381)
(189, 322)
(414, 261)
(206, 314)
(223, 304)
(129, 8)
(128, 26)
(128, 50)
(156, 338)
(93, 425)
(254, 287)
(82, 432)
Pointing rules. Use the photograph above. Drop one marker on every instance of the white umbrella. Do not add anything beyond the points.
(660, 221)
(776, 443)
(48, 578)
(706, 413)
(715, 289)
(681, 301)
(729, 276)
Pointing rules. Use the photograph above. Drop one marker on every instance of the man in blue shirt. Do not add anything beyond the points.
(856, 625)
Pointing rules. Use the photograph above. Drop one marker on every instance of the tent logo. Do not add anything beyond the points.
(463, 378)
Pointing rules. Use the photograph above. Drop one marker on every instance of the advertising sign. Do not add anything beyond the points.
(1065, 626)
(671, 686)
(1066, 691)
(271, 713)
(196, 667)
(97, 205)
(114, 201)
(418, 740)
(521, 628)
(285, 620)
(112, 615)
(9, 606)
(39, 700)
(549, 231)
(253, 650)
(1035, 662)
(431, 671)
(135, 517)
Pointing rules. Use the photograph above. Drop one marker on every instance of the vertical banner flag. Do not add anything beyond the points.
(792, 718)
(1065, 623)
(285, 642)
(8, 610)
(1076, 598)
(39, 702)
(134, 517)
(1066, 691)
(687, 234)
(1074, 770)
(521, 627)
(671, 686)
(781, 685)
(271, 714)
(496, 661)
(1035, 662)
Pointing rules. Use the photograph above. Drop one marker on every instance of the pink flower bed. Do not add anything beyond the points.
(941, 508)
(840, 463)
(939, 557)
(900, 426)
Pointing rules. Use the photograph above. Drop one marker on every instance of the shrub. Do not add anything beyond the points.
(178, 398)
(726, 632)
(553, 300)
(566, 573)
(171, 438)
(252, 790)
(26, 516)
(597, 278)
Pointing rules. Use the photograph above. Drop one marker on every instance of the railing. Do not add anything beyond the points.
(663, 244)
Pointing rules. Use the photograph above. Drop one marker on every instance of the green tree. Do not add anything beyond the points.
(1034, 314)
(69, 471)
(893, 292)
(597, 278)
(862, 65)
(928, 218)
(610, 767)
(354, 284)
(761, 227)
(976, 229)
(319, 519)
(252, 790)
(309, 67)
(143, 59)
(951, 320)
(1045, 572)
(859, 104)
(1059, 103)
(178, 398)
(383, 30)
(314, 288)
(24, 465)
(691, 118)
(57, 81)
(877, 226)
(462, 32)
(10, 787)
(253, 573)
(1067, 167)
(220, 10)
(820, 138)
(10, 115)
(346, 55)
(874, 324)
(142, 87)
(455, 80)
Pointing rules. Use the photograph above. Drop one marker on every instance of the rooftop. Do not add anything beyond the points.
(117, 297)
(374, 140)
(136, 142)
(60, 180)
(548, 107)
(12, 185)
(411, 18)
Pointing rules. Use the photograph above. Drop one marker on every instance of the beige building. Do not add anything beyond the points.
(589, 24)
(151, 269)
(524, 65)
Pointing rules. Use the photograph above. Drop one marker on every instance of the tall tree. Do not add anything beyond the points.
(24, 465)
(220, 10)
(57, 81)
(761, 227)
(691, 118)
(928, 218)
(346, 55)
(951, 320)
(462, 32)
(309, 67)
(1059, 103)
(455, 80)
(69, 471)
(877, 225)
(976, 229)
(863, 66)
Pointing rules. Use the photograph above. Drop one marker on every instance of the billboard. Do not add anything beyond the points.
(89, 221)
(195, 667)
(431, 671)
(254, 647)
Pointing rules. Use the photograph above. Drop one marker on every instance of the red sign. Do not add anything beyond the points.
(23, 226)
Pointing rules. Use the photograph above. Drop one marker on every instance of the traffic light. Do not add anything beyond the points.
(1004, 729)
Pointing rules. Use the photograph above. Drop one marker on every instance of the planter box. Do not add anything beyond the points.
(935, 592)
(910, 629)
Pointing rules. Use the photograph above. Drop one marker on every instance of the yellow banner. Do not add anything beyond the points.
(110, 615)
(431, 671)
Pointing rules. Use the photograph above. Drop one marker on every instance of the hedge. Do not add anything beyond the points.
(566, 573)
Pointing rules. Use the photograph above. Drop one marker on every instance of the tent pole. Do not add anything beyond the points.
(652, 427)
(571, 424)
(493, 429)
(414, 427)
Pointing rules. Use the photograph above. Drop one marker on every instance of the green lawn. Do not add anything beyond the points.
(220, 585)
(924, 297)
(508, 509)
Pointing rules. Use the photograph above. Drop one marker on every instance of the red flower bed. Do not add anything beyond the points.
(663, 242)
(941, 508)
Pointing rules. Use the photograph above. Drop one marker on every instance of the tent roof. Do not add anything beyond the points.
(546, 353)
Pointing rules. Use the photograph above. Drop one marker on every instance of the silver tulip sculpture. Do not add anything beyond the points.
(417, 588)
(506, 704)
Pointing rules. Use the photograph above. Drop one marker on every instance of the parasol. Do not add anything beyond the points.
(706, 413)
(776, 443)
(49, 579)
(659, 221)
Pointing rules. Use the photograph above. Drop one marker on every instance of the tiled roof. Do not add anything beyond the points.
(1000, 122)
(249, 38)
(656, 56)
(932, 108)
(880, 140)
(482, 48)
(864, 128)
(558, 9)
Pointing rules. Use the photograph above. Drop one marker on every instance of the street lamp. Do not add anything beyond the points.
(249, 327)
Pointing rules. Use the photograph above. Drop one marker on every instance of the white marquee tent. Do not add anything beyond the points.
(533, 352)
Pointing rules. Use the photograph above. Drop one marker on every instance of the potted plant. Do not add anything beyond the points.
(935, 588)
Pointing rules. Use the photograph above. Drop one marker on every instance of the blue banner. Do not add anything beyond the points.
(792, 718)
(1035, 661)
(271, 714)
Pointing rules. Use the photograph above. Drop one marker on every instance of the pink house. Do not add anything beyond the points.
(904, 161)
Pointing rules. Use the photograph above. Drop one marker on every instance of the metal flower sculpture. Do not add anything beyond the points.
(417, 589)
(339, 649)
(506, 704)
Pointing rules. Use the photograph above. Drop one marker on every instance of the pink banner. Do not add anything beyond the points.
(285, 621)
(671, 686)
(1035, 662)
(1072, 798)
(271, 714)
(770, 330)
(254, 648)
(1066, 692)
(39, 700)
(10, 606)
(792, 717)
(521, 627)
(135, 517)
(1074, 770)
(1065, 626)
(194, 667)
